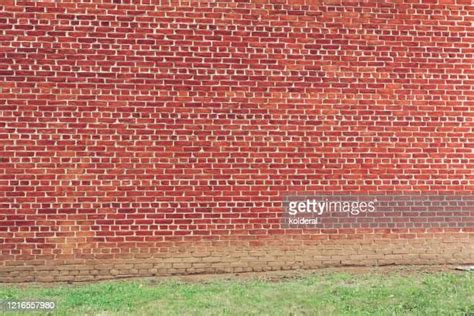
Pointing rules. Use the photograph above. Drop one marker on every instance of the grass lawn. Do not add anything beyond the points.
(334, 293)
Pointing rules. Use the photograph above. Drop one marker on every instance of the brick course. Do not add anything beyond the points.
(159, 137)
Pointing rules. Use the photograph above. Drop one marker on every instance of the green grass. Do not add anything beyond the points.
(329, 294)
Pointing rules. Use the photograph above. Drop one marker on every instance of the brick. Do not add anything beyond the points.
(164, 145)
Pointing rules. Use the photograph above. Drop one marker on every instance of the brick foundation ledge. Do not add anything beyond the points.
(283, 252)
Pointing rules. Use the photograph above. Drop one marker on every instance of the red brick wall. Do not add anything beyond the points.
(160, 137)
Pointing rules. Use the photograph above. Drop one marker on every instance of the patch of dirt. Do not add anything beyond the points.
(274, 276)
